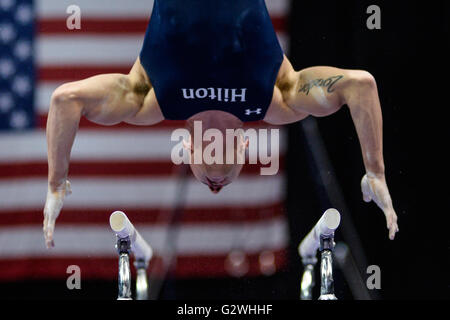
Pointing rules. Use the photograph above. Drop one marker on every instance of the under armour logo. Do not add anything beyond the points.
(249, 111)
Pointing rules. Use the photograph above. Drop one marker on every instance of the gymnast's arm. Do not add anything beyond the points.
(322, 91)
(104, 99)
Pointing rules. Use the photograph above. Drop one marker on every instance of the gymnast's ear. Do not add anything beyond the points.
(244, 141)
(187, 144)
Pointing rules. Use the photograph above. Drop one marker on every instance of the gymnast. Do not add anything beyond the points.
(218, 62)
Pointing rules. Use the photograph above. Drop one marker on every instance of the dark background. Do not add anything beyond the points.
(408, 58)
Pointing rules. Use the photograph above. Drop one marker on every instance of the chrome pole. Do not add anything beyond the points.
(141, 280)
(123, 247)
(308, 282)
(320, 237)
(326, 268)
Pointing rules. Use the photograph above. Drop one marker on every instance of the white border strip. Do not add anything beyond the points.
(99, 145)
(150, 192)
(95, 50)
(91, 145)
(88, 50)
(99, 241)
(116, 8)
(95, 8)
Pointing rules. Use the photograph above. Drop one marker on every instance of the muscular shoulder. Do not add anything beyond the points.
(287, 78)
(141, 90)
(331, 79)
(139, 81)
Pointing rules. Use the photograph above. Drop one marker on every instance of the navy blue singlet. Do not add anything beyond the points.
(212, 55)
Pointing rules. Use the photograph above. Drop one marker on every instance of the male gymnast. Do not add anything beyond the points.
(218, 62)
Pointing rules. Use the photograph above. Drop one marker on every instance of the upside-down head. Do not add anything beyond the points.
(219, 158)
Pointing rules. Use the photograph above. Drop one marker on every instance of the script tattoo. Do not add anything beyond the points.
(325, 83)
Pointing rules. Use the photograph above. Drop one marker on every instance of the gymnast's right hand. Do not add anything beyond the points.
(53, 206)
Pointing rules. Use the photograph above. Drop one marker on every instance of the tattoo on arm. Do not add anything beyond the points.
(325, 83)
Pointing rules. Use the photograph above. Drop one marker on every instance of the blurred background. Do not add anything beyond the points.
(241, 244)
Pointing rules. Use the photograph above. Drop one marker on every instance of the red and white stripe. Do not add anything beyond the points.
(124, 168)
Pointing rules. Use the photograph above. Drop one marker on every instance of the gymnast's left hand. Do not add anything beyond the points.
(53, 206)
(375, 188)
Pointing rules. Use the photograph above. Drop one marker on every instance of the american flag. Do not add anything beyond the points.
(242, 231)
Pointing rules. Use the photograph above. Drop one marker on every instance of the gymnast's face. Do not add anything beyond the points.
(216, 176)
